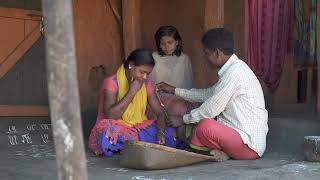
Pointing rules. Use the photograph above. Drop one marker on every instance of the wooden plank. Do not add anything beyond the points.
(12, 33)
(131, 25)
(98, 44)
(28, 111)
(213, 18)
(20, 50)
(30, 25)
(20, 14)
(214, 14)
(287, 90)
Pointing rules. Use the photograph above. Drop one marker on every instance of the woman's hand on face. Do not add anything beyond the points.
(164, 87)
(135, 85)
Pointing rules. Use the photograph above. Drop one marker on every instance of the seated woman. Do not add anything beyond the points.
(123, 99)
(172, 66)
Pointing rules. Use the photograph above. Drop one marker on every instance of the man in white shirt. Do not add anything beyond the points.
(232, 118)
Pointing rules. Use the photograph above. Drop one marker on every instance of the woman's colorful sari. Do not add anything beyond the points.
(109, 135)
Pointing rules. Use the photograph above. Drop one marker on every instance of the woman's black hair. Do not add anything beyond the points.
(140, 57)
(219, 38)
(172, 32)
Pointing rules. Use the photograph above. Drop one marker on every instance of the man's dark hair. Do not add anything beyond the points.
(170, 31)
(219, 38)
(140, 57)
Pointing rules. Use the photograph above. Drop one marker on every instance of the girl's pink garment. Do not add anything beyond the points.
(213, 135)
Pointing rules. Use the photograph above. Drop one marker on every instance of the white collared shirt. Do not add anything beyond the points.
(236, 101)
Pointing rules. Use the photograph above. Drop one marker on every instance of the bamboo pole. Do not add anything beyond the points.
(63, 89)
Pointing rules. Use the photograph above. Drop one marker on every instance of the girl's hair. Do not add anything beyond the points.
(172, 32)
(140, 57)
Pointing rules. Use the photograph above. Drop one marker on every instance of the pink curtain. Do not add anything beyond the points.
(266, 36)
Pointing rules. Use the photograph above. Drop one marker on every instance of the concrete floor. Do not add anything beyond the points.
(283, 160)
(38, 162)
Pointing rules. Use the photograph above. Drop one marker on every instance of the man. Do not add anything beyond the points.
(232, 118)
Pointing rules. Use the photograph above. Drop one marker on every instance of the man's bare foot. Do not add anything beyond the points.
(219, 155)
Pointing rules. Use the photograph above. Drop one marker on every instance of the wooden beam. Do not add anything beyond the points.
(131, 25)
(214, 14)
(20, 50)
(213, 18)
(27, 111)
(20, 14)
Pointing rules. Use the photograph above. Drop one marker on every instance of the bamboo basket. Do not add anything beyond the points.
(147, 156)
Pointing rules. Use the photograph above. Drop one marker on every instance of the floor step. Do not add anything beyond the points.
(286, 135)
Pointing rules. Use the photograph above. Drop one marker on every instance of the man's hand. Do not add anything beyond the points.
(175, 121)
(164, 87)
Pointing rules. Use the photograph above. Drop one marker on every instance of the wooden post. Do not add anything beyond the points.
(63, 89)
(214, 14)
(213, 18)
(318, 58)
(131, 25)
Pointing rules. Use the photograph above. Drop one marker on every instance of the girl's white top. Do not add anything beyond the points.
(174, 70)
